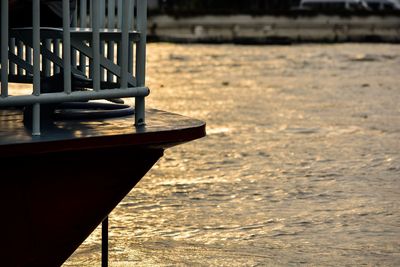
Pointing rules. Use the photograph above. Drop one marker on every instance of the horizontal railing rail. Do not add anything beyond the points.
(102, 41)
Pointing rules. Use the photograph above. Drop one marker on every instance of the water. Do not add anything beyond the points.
(301, 164)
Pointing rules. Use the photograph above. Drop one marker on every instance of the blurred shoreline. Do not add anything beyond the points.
(275, 29)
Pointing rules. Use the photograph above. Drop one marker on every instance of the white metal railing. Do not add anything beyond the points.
(105, 43)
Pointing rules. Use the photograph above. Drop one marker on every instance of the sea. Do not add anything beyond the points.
(300, 165)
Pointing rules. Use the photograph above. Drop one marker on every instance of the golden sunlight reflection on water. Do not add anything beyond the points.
(301, 164)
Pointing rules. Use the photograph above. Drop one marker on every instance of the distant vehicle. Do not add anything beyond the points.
(383, 4)
(329, 5)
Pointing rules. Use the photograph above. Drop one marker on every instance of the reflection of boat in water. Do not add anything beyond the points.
(61, 178)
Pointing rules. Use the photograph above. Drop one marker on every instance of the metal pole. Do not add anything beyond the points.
(119, 26)
(56, 49)
(111, 14)
(36, 65)
(75, 16)
(102, 14)
(45, 62)
(130, 57)
(20, 52)
(132, 8)
(96, 44)
(28, 54)
(82, 24)
(74, 24)
(132, 21)
(12, 65)
(83, 14)
(104, 243)
(141, 25)
(125, 44)
(102, 20)
(90, 68)
(4, 48)
(47, 98)
(66, 47)
(110, 44)
(119, 14)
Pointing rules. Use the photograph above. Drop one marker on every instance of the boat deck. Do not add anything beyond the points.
(162, 130)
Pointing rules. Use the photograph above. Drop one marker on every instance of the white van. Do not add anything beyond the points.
(333, 5)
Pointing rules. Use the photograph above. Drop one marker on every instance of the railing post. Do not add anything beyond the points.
(82, 24)
(74, 24)
(125, 44)
(102, 24)
(45, 62)
(141, 25)
(4, 48)
(11, 48)
(96, 44)
(119, 14)
(20, 53)
(131, 43)
(111, 44)
(56, 49)
(36, 65)
(66, 47)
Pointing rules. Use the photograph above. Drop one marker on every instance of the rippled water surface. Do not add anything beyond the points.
(301, 164)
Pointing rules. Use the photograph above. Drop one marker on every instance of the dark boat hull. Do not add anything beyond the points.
(53, 196)
(48, 216)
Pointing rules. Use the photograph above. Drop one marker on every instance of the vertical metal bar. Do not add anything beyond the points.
(74, 24)
(117, 46)
(12, 49)
(104, 243)
(102, 70)
(74, 54)
(118, 24)
(141, 23)
(75, 17)
(83, 14)
(111, 14)
(119, 14)
(20, 52)
(36, 46)
(131, 53)
(56, 49)
(28, 54)
(46, 62)
(110, 44)
(132, 8)
(96, 45)
(83, 24)
(36, 65)
(102, 14)
(102, 43)
(4, 48)
(130, 58)
(90, 25)
(141, 26)
(118, 43)
(66, 47)
(125, 44)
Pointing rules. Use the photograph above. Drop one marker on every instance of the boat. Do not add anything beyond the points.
(68, 155)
